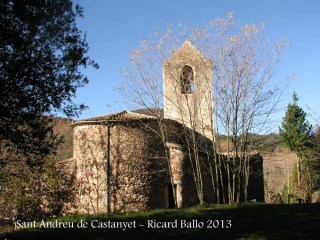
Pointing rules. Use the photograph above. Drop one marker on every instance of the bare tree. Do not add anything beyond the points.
(240, 102)
(144, 90)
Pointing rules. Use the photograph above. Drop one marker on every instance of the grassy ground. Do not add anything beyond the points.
(259, 221)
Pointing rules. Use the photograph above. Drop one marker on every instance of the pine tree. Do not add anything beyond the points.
(296, 132)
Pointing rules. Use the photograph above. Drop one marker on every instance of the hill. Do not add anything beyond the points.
(62, 128)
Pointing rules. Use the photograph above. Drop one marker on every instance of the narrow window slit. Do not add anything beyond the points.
(187, 80)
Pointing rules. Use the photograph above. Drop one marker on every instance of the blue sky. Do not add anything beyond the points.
(114, 27)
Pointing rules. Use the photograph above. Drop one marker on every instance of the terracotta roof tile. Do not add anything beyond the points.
(121, 116)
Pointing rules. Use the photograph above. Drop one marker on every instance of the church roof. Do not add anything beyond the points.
(187, 51)
(120, 116)
(155, 112)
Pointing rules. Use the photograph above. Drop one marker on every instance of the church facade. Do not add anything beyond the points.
(122, 163)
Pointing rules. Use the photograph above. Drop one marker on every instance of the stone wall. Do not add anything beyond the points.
(278, 167)
(136, 176)
(139, 172)
(122, 167)
(89, 151)
(129, 173)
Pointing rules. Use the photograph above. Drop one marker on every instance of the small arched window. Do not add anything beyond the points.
(187, 80)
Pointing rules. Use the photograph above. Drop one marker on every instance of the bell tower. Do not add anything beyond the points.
(187, 89)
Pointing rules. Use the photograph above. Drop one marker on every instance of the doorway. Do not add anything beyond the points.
(169, 195)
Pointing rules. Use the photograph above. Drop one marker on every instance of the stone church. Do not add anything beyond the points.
(122, 163)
